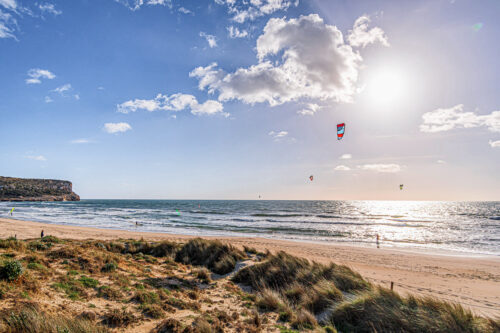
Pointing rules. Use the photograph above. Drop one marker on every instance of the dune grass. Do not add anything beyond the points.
(289, 293)
(30, 319)
(382, 310)
(218, 257)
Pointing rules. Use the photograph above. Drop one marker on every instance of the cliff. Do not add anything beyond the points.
(20, 189)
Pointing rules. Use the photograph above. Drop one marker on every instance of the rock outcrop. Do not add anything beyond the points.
(21, 189)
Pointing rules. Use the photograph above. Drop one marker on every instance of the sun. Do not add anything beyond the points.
(387, 86)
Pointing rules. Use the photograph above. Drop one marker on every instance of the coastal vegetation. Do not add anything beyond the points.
(55, 285)
(23, 189)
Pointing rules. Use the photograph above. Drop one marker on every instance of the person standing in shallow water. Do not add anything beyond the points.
(378, 244)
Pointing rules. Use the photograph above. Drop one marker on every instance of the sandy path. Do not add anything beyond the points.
(471, 281)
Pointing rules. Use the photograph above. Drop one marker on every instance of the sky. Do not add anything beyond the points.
(231, 99)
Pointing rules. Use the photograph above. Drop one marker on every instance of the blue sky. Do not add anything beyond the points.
(234, 99)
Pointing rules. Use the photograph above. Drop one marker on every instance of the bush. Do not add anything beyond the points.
(146, 297)
(12, 243)
(169, 325)
(119, 318)
(218, 257)
(152, 310)
(11, 270)
(269, 300)
(383, 310)
(109, 267)
(304, 285)
(88, 282)
(203, 274)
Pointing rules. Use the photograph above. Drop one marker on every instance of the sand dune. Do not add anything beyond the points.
(472, 281)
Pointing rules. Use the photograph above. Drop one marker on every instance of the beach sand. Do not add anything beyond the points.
(473, 281)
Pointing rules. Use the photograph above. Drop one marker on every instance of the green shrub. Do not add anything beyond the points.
(51, 239)
(109, 267)
(146, 297)
(11, 270)
(88, 282)
(12, 243)
(36, 266)
(152, 310)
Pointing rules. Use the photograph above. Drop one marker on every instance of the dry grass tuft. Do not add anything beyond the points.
(31, 320)
(218, 257)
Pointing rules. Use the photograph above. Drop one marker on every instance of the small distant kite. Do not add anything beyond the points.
(12, 211)
(401, 186)
(476, 27)
(340, 131)
(311, 177)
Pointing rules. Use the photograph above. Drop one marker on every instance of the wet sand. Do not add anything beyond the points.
(473, 281)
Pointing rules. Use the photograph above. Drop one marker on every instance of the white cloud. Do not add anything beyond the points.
(36, 74)
(185, 10)
(243, 10)
(494, 144)
(211, 40)
(7, 26)
(297, 58)
(234, 32)
(137, 4)
(278, 135)
(309, 110)
(342, 168)
(80, 141)
(77, 96)
(386, 168)
(441, 120)
(9, 4)
(346, 157)
(48, 99)
(49, 8)
(62, 89)
(113, 128)
(175, 102)
(100, 88)
(361, 36)
(36, 157)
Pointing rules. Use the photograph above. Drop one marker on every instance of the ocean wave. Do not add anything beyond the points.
(279, 215)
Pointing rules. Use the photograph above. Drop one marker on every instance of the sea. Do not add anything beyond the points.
(459, 227)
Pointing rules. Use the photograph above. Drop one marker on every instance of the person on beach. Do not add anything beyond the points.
(41, 234)
(378, 238)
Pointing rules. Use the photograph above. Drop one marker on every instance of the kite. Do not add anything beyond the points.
(476, 27)
(401, 186)
(340, 131)
(311, 177)
(12, 211)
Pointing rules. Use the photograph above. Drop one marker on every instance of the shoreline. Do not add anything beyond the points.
(385, 244)
(473, 281)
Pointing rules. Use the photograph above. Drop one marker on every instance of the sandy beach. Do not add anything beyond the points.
(473, 281)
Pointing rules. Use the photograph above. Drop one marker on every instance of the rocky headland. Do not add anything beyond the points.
(22, 189)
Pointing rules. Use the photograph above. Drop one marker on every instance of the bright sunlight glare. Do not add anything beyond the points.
(387, 87)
